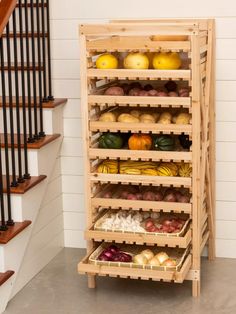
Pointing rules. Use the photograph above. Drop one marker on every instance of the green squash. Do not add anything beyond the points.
(110, 141)
(164, 143)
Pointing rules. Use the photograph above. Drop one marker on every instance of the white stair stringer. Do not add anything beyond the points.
(26, 206)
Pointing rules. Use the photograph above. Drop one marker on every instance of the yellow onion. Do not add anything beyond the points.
(140, 259)
(162, 256)
(169, 262)
(148, 254)
(154, 261)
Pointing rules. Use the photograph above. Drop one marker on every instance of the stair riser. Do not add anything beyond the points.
(52, 121)
(5, 291)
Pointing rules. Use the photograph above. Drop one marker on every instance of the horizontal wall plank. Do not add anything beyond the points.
(74, 221)
(74, 9)
(225, 151)
(72, 128)
(74, 239)
(226, 211)
(225, 191)
(72, 184)
(67, 49)
(72, 165)
(226, 171)
(226, 111)
(225, 131)
(74, 202)
(72, 147)
(66, 69)
(226, 230)
(72, 109)
(66, 88)
(225, 248)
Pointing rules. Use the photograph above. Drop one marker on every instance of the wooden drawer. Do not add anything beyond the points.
(84, 267)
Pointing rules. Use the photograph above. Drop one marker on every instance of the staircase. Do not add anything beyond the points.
(30, 133)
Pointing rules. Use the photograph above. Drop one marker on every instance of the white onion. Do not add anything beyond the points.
(162, 256)
(148, 254)
(140, 259)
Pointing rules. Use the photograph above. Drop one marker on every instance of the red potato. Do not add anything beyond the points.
(162, 94)
(170, 197)
(166, 222)
(152, 92)
(184, 199)
(158, 196)
(135, 85)
(143, 93)
(114, 91)
(183, 90)
(171, 86)
(125, 87)
(148, 224)
(152, 229)
(132, 197)
(148, 87)
(165, 229)
(149, 196)
(124, 194)
(178, 195)
(107, 195)
(171, 229)
(134, 92)
(185, 94)
(173, 94)
(139, 196)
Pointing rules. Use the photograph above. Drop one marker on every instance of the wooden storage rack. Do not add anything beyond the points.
(195, 37)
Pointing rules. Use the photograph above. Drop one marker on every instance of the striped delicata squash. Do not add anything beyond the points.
(185, 170)
(108, 166)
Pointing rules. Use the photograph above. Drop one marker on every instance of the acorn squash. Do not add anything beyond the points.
(110, 141)
(163, 142)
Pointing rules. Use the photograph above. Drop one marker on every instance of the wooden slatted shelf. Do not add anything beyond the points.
(141, 101)
(135, 273)
(125, 154)
(144, 205)
(139, 74)
(154, 128)
(145, 179)
(139, 239)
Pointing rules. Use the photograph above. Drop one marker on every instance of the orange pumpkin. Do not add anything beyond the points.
(140, 142)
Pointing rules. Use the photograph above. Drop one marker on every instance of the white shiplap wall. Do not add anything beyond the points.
(66, 16)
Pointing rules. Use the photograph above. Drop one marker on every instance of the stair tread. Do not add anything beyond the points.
(46, 105)
(30, 67)
(13, 231)
(25, 186)
(5, 276)
(37, 145)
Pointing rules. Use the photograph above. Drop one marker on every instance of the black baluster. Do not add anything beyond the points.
(11, 114)
(26, 172)
(41, 132)
(36, 136)
(18, 120)
(30, 128)
(8, 183)
(45, 91)
(50, 96)
(3, 225)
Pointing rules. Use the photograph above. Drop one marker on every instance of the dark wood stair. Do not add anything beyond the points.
(5, 276)
(22, 188)
(37, 145)
(46, 105)
(13, 231)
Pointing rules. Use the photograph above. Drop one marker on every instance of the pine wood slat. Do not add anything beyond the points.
(184, 102)
(5, 276)
(139, 74)
(125, 154)
(13, 231)
(135, 273)
(154, 128)
(135, 43)
(144, 205)
(139, 239)
(138, 29)
(154, 180)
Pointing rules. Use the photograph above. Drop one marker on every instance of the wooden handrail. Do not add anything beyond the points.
(6, 9)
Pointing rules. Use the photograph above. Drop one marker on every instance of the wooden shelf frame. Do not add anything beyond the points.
(196, 37)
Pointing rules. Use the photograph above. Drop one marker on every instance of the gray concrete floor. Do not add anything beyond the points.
(58, 289)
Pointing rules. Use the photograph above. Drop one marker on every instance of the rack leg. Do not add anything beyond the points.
(196, 288)
(91, 281)
(211, 248)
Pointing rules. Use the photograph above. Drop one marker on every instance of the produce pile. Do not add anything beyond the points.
(148, 194)
(167, 169)
(137, 60)
(146, 257)
(169, 89)
(143, 141)
(141, 222)
(147, 116)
